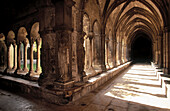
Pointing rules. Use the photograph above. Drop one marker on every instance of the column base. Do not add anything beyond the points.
(103, 68)
(85, 78)
(11, 71)
(97, 68)
(118, 63)
(90, 71)
(107, 66)
(22, 72)
(2, 69)
(26, 70)
(165, 70)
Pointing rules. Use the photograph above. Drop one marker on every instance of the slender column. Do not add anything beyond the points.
(118, 54)
(160, 52)
(114, 50)
(156, 46)
(91, 52)
(38, 57)
(167, 50)
(15, 57)
(19, 56)
(31, 59)
(9, 62)
(164, 51)
(25, 58)
(124, 53)
(91, 69)
(102, 53)
(96, 52)
(107, 53)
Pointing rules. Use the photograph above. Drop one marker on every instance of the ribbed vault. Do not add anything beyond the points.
(133, 17)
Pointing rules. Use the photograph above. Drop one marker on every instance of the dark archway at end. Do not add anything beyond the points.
(141, 48)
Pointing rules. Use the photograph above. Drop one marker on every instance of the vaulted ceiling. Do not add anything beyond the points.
(132, 17)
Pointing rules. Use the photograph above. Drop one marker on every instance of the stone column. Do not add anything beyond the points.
(157, 52)
(91, 69)
(49, 60)
(19, 57)
(57, 47)
(15, 56)
(96, 52)
(154, 51)
(114, 50)
(9, 62)
(102, 53)
(118, 54)
(31, 59)
(167, 50)
(160, 51)
(38, 70)
(25, 58)
(107, 53)
(123, 53)
(164, 51)
(81, 56)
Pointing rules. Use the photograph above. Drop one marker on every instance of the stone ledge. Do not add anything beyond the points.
(31, 88)
(58, 96)
(98, 80)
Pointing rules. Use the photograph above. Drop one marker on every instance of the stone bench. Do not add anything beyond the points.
(98, 80)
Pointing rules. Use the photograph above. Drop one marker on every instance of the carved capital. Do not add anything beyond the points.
(167, 29)
(2, 37)
(63, 38)
(107, 39)
(90, 35)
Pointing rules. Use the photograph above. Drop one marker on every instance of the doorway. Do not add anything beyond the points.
(141, 48)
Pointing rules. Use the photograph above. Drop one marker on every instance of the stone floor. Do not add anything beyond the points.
(135, 89)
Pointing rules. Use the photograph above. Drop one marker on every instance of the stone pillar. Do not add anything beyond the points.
(102, 53)
(9, 62)
(3, 55)
(15, 56)
(56, 47)
(114, 50)
(120, 52)
(117, 54)
(81, 56)
(19, 57)
(31, 59)
(38, 69)
(156, 52)
(167, 50)
(123, 53)
(25, 58)
(107, 53)
(91, 69)
(160, 51)
(96, 52)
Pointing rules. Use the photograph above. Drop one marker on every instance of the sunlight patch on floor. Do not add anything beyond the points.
(139, 85)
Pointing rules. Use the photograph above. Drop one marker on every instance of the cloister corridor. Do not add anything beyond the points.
(135, 89)
(85, 55)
